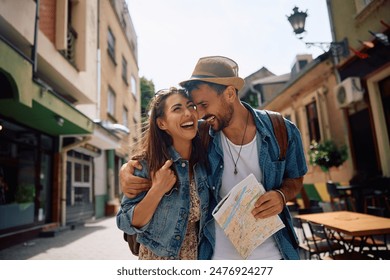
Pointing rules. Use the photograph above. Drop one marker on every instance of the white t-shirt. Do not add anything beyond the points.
(247, 163)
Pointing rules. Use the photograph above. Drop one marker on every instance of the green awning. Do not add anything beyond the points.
(33, 105)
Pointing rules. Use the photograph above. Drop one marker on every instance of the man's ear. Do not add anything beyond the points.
(161, 124)
(230, 92)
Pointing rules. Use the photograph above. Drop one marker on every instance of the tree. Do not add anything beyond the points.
(147, 92)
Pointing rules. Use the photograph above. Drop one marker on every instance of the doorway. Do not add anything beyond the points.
(364, 150)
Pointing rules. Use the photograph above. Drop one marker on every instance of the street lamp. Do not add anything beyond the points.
(297, 20)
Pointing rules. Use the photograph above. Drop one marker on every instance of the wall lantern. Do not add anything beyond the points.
(298, 19)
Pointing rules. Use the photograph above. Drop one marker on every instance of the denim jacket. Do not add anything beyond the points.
(166, 230)
(272, 168)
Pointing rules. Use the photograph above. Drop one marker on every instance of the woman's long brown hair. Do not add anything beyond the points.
(154, 144)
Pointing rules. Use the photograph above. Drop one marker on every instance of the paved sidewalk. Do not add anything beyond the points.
(95, 240)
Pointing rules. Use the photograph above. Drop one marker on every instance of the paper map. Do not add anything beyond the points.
(233, 214)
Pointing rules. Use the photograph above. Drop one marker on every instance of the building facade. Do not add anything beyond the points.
(120, 96)
(367, 70)
(345, 99)
(62, 137)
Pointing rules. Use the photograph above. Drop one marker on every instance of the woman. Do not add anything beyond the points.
(170, 217)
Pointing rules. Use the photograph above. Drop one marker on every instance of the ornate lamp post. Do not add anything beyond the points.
(298, 19)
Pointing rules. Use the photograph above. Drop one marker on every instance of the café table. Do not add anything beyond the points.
(357, 225)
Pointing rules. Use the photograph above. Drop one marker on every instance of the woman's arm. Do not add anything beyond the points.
(162, 182)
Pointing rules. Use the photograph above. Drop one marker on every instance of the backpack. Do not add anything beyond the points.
(131, 239)
(280, 132)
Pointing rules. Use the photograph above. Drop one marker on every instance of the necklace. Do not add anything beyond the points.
(239, 152)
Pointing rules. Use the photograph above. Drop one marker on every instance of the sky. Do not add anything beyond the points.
(173, 34)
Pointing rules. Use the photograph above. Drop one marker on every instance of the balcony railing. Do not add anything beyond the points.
(70, 52)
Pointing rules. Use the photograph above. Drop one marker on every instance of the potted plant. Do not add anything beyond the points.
(25, 193)
(327, 155)
(21, 211)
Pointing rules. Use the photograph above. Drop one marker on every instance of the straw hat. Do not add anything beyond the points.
(216, 69)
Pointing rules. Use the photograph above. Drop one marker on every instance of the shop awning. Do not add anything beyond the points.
(29, 102)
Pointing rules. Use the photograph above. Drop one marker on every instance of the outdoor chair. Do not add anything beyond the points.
(377, 194)
(339, 200)
(323, 246)
(377, 245)
(306, 244)
(334, 250)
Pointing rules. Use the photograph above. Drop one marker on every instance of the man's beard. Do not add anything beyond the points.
(224, 121)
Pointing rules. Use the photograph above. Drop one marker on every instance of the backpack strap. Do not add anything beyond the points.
(280, 132)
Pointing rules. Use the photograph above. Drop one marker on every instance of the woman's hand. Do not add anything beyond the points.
(164, 179)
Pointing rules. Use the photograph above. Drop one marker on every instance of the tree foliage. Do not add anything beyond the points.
(147, 92)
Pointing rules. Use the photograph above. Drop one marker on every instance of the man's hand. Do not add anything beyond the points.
(272, 203)
(269, 204)
(132, 185)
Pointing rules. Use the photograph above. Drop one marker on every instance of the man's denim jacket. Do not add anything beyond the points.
(273, 171)
(166, 230)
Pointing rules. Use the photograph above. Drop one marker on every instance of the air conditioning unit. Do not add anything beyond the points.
(348, 91)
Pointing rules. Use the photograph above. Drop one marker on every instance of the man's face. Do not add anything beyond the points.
(212, 107)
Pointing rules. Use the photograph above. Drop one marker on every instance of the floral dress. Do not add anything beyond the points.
(189, 248)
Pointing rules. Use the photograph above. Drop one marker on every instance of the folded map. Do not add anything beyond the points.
(233, 215)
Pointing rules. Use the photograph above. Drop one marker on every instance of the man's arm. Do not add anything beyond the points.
(291, 187)
(132, 185)
(272, 202)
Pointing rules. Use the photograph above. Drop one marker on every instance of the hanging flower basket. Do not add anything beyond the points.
(327, 155)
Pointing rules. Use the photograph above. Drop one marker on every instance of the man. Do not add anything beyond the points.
(241, 142)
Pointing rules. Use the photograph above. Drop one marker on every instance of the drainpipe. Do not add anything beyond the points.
(98, 64)
(34, 53)
(111, 179)
(333, 33)
(64, 150)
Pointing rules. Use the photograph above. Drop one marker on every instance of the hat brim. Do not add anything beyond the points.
(237, 82)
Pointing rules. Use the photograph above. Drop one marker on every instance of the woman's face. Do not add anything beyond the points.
(180, 118)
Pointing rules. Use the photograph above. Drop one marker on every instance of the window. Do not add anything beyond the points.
(133, 86)
(111, 102)
(124, 69)
(111, 44)
(125, 117)
(313, 122)
(79, 190)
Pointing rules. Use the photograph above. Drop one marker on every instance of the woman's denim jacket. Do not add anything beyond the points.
(273, 171)
(166, 230)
